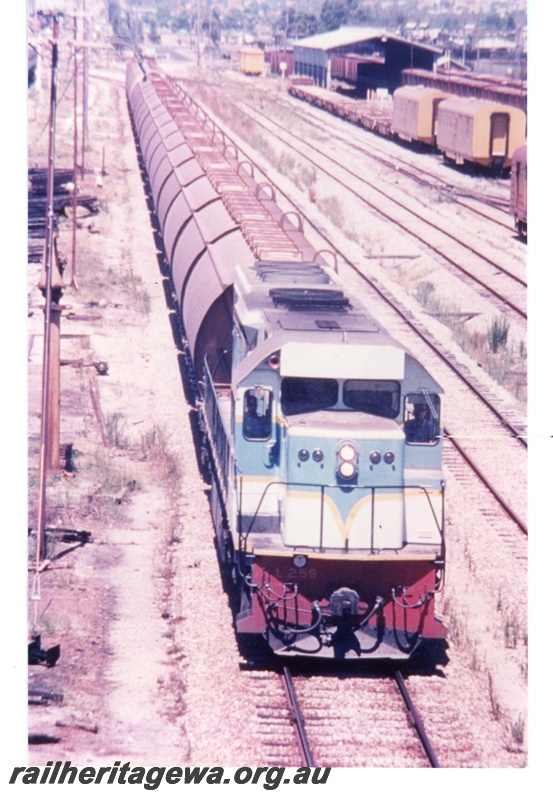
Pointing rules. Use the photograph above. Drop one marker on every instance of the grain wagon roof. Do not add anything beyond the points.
(473, 105)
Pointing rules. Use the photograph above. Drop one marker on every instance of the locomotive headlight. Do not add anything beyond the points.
(375, 457)
(347, 452)
(389, 457)
(347, 461)
(299, 561)
(318, 455)
(346, 470)
(303, 454)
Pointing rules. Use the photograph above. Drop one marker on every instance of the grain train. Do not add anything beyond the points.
(464, 130)
(322, 435)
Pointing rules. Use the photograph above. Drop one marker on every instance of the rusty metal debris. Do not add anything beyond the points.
(43, 697)
(74, 723)
(37, 655)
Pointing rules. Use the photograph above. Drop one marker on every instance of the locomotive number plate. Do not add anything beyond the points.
(295, 573)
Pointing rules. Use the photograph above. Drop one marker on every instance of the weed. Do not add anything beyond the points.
(511, 632)
(115, 426)
(488, 349)
(497, 334)
(424, 292)
(308, 176)
(332, 208)
(154, 447)
(496, 709)
(523, 668)
(46, 624)
(153, 443)
(286, 164)
(108, 480)
(455, 628)
(517, 731)
(352, 235)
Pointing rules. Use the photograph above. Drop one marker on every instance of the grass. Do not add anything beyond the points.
(155, 449)
(498, 333)
(115, 425)
(331, 207)
(517, 731)
(505, 362)
(494, 703)
(98, 281)
(514, 632)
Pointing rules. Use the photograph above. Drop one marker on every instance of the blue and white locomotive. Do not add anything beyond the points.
(328, 490)
(323, 435)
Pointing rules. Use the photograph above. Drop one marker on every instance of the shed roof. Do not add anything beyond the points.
(345, 36)
(339, 38)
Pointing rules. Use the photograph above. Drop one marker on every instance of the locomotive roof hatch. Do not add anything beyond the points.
(318, 328)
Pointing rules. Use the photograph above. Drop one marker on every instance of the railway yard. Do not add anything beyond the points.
(150, 668)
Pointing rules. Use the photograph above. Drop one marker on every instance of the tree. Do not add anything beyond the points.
(334, 14)
(234, 20)
(181, 23)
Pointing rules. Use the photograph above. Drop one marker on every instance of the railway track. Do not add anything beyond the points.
(487, 421)
(340, 720)
(508, 433)
(497, 205)
(445, 244)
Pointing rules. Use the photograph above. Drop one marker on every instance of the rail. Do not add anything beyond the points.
(417, 721)
(296, 717)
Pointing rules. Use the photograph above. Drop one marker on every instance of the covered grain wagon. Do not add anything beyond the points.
(479, 132)
(415, 113)
(252, 61)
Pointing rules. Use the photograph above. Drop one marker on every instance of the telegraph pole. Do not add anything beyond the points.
(51, 285)
(85, 87)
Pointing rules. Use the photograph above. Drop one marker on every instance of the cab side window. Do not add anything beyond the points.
(381, 398)
(421, 420)
(258, 404)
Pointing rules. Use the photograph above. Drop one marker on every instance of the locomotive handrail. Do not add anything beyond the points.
(243, 536)
(216, 431)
